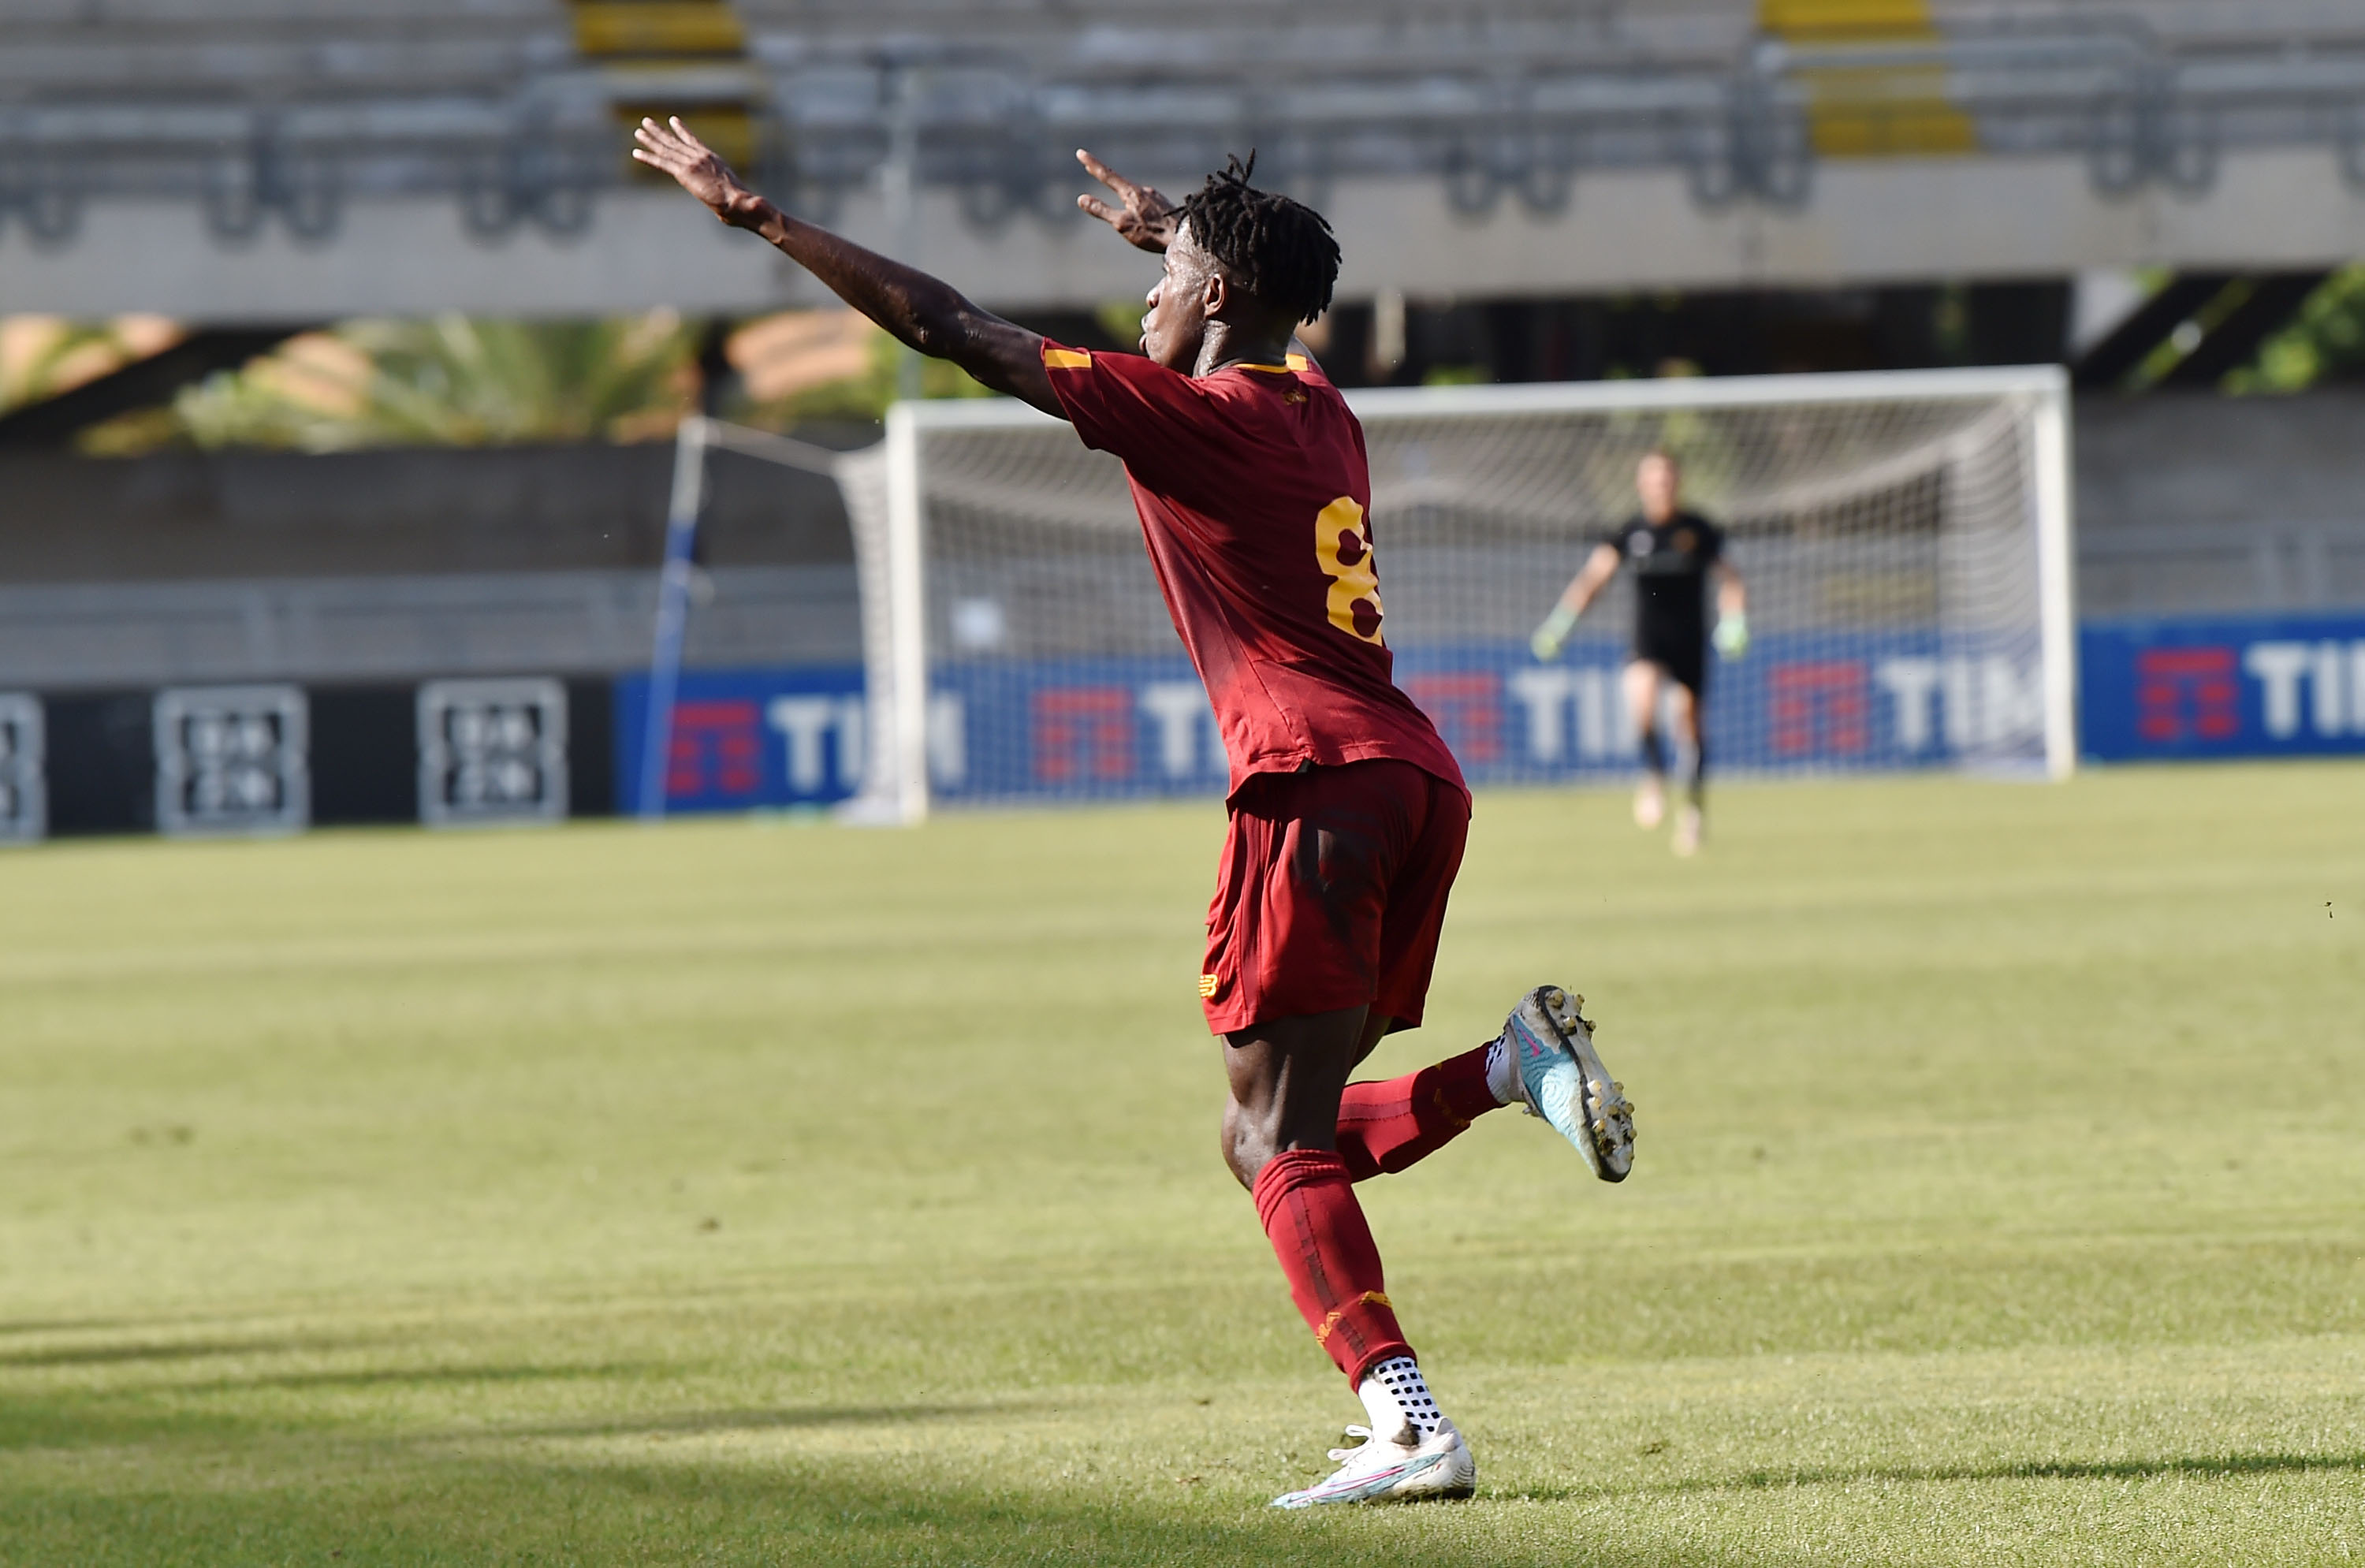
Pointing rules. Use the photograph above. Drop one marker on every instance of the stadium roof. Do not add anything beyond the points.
(1726, 141)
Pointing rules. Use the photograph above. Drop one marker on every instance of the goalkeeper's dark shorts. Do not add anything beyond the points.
(1681, 651)
(1331, 893)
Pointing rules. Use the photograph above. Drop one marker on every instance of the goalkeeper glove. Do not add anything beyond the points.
(1732, 634)
(1546, 643)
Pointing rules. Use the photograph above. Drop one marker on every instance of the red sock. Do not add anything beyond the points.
(1317, 1230)
(1386, 1126)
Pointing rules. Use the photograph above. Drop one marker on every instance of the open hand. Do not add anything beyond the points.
(672, 147)
(1145, 221)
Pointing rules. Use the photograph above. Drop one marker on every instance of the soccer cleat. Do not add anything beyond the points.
(1562, 1081)
(1650, 804)
(1688, 832)
(1381, 1470)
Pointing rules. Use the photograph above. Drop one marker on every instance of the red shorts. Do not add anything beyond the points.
(1331, 893)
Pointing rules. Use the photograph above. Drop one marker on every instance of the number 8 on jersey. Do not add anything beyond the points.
(1343, 544)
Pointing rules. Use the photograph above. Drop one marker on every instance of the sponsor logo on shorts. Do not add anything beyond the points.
(1208, 986)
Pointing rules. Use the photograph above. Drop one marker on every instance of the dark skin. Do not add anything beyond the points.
(1285, 1075)
(1199, 322)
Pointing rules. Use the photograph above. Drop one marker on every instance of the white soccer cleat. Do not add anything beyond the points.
(1562, 1080)
(1393, 1470)
(1688, 832)
(1650, 804)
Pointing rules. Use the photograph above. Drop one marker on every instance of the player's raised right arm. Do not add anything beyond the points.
(920, 311)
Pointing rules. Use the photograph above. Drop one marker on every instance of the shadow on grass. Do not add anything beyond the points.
(168, 1350)
(194, 1492)
(2071, 1470)
(68, 1324)
(790, 1419)
(396, 1505)
(423, 1377)
(2029, 1470)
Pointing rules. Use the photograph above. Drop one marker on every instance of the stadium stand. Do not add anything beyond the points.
(400, 564)
(1723, 141)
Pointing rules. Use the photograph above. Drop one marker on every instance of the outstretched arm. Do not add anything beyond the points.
(1587, 586)
(920, 311)
(1574, 600)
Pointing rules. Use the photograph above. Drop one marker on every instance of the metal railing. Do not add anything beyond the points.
(1520, 110)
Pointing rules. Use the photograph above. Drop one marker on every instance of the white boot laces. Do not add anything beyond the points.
(1370, 1451)
(1341, 1456)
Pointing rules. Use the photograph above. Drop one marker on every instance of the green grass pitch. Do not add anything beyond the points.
(773, 1193)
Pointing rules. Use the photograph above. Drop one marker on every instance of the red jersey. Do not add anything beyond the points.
(1255, 497)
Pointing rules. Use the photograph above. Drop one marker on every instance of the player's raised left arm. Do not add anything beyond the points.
(920, 311)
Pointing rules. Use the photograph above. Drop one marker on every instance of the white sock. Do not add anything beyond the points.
(1395, 1395)
(1503, 1074)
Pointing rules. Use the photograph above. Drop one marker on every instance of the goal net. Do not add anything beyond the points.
(1904, 536)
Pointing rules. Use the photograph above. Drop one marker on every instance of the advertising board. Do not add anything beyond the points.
(1046, 729)
(2286, 686)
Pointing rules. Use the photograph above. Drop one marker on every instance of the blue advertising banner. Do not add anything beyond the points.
(2285, 685)
(1005, 729)
(750, 739)
(1103, 727)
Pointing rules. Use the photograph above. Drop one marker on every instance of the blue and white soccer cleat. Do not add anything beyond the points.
(1381, 1470)
(1562, 1081)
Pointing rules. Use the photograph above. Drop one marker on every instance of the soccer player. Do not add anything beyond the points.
(1673, 552)
(1346, 812)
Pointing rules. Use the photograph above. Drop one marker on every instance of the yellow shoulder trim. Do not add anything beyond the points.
(1297, 362)
(1268, 369)
(1065, 359)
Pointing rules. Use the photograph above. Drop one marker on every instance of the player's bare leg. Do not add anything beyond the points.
(1642, 680)
(1287, 1077)
(1688, 821)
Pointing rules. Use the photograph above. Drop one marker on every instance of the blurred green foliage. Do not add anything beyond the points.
(452, 381)
(2323, 342)
(1121, 319)
(43, 358)
(861, 398)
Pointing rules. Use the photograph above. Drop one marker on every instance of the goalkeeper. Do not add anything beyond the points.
(1348, 814)
(1673, 552)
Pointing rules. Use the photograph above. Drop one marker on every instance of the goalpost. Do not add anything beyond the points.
(1905, 537)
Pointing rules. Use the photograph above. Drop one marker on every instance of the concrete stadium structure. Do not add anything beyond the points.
(297, 159)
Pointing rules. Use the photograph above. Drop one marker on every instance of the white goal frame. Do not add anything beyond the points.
(891, 543)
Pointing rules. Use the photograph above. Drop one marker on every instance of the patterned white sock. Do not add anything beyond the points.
(1394, 1393)
(1503, 1074)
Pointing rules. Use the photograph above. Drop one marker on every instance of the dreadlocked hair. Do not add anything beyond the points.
(1279, 251)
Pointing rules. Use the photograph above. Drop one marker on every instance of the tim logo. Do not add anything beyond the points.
(1082, 732)
(491, 751)
(1818, 708)
(2182, 692)
(24, 800)
(717, 752)
(231, 759)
